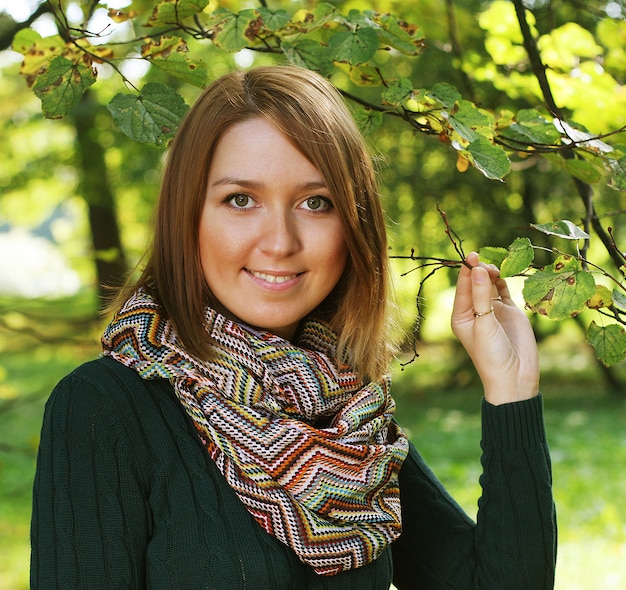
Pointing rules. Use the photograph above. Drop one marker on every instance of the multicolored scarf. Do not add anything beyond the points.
(310, 450)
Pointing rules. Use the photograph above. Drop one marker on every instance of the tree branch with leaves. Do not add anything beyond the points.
(365, 46)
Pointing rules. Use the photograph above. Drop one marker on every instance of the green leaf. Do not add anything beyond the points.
(368, 120)
(445, 94)
(321, 15)
(308, 54)
(618, 176)
(469, 122)
(520, 256)
(619, 149)
(619, 299)
(62, 85)
(490, 159)
(511, 262)
(153, 116)
(492, 255)
(231, 30)
(560, 290)
(169, 54)
(396, 33)
(583, 170)
(562, 229)
(26, 38)
(530, 127)
(356, 19)
(274, 20)
(398, 92)
(169, 12)
(609, 342)
(354, 47)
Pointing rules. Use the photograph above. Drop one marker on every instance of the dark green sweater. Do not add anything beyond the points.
(127, 497)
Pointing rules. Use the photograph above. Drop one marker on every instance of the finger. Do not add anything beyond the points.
(503, 292)
(481, 292)
(463, 301)
(472, 259)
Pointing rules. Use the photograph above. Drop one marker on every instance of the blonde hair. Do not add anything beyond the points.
(311, 112)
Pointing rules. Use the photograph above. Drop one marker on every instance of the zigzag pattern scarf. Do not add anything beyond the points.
(310, 450)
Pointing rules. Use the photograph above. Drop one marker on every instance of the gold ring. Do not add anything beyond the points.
(498, 298)
(480, 315)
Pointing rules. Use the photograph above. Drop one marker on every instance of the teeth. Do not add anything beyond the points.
(272, 278)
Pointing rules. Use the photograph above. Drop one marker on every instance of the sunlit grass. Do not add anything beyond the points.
(437, 404)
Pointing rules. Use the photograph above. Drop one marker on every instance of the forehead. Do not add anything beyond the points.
(258, 148)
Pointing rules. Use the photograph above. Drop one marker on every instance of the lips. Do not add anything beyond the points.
(272, 278)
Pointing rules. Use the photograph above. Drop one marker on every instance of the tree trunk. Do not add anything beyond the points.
(109, 257)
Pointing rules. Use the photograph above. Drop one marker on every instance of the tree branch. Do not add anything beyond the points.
(539, 70)
(585, 191)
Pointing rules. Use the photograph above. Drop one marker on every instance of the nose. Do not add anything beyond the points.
(279, 234)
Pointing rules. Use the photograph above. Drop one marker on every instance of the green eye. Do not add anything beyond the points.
(317, 203)
(240, 200)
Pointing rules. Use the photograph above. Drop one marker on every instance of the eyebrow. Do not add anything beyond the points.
(254, 184)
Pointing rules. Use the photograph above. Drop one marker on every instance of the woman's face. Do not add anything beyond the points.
(271, 242)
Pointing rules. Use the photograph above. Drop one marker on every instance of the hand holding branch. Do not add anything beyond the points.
(495, 333)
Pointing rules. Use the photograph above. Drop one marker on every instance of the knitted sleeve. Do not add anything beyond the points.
(513, 543)
(90, 521)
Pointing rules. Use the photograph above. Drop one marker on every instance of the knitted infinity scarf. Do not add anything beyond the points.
(310, 450)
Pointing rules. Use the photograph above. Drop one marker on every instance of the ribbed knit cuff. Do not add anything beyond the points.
(517, 425)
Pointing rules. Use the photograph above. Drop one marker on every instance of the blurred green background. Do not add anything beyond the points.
(56, 177)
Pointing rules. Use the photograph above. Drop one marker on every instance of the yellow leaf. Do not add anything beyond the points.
(94, 53)
(120, 16)
(601, 298)
(38, 56)
(163, 47)
(462, 163)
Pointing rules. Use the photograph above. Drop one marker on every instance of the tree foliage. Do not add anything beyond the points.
(542, 65)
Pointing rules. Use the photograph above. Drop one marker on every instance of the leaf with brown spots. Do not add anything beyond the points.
(38, 52)
(61, 85)
(169, 12)
(601, 298)
(231, 30)
(560, 290)
(169, 54)
(394, 32)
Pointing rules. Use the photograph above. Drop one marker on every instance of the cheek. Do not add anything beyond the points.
(224, 252)
(215, 248)
(337, 256)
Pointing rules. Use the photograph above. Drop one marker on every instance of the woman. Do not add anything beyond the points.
(237, 431)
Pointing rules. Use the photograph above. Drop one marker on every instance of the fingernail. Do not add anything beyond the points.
(479, 277)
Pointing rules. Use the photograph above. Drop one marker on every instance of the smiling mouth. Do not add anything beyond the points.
(274, 279)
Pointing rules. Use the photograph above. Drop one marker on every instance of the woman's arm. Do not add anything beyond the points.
(513, 544)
